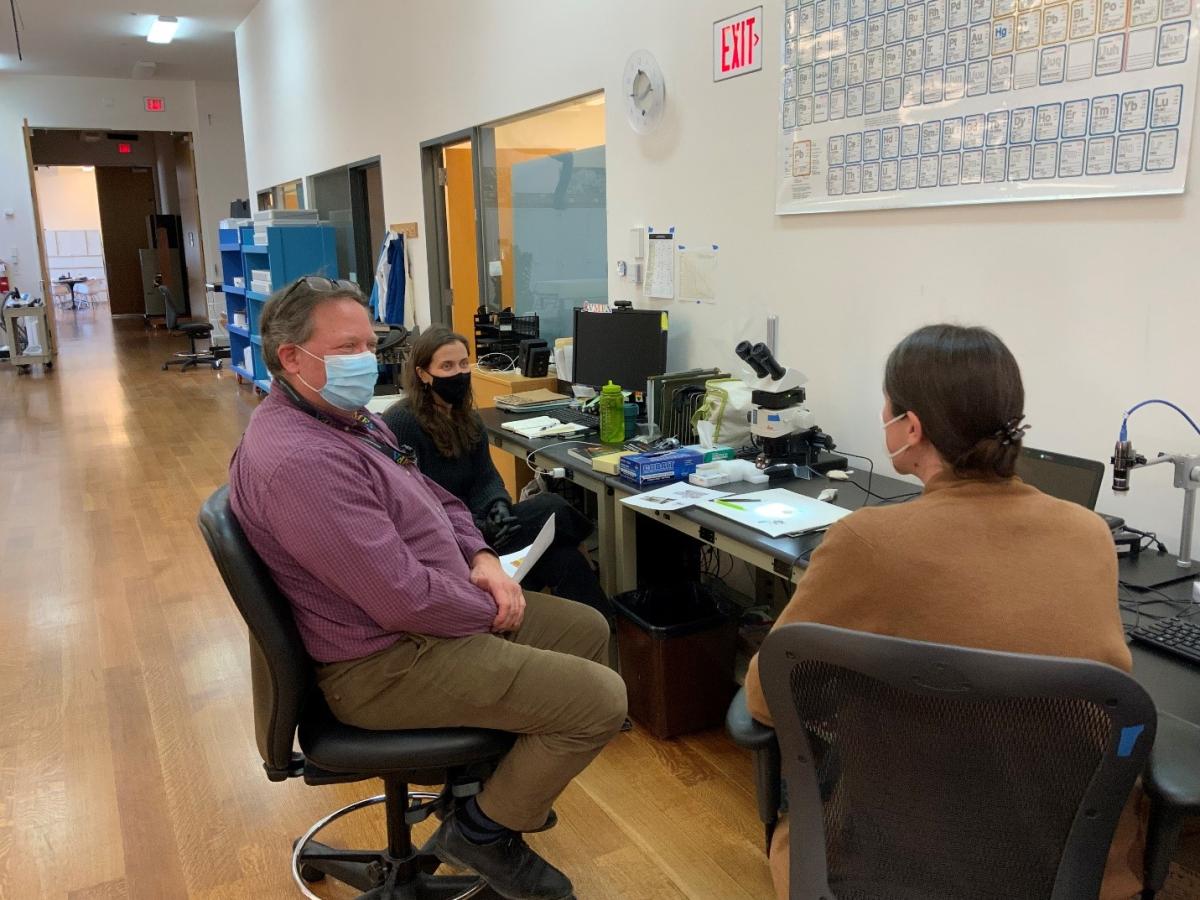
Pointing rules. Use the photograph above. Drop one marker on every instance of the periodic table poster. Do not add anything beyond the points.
(894, 103)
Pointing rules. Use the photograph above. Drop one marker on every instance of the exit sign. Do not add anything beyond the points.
(155, 104)
(737, 44)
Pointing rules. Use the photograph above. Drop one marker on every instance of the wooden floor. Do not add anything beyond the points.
(127, 760)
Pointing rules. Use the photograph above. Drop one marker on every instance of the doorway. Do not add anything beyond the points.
(453, 247)
(350, 198)
(146, 218)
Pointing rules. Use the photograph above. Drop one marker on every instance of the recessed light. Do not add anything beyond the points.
(163, 30)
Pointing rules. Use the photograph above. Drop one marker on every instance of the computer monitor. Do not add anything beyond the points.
(626, 346)
(1062, 476)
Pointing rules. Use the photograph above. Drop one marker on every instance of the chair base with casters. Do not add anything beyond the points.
(288, 703)
(198, 331)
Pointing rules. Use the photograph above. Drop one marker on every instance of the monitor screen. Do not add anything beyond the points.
(626, 346)
(1065, 477)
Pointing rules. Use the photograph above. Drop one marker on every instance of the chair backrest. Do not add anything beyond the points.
(280, 669)
(918, 770)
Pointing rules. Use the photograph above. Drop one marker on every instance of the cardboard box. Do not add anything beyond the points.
(644, 469)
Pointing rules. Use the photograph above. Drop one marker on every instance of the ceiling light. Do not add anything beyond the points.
(87, 168)
(163, 30)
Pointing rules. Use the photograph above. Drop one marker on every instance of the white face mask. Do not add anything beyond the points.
(884, 426)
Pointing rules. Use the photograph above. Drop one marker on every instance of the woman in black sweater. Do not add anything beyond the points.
(438, 420)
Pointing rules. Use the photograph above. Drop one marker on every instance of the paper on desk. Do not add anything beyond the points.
(542, 426)
(670, 497)
(379, 404)
(778, 511)
(518, 563)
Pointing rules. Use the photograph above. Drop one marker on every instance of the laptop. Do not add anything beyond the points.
(1066, 477)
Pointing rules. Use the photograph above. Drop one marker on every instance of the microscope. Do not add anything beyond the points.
(1125, 459)
(791, 444)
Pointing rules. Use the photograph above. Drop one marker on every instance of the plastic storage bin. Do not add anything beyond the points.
(677, 646)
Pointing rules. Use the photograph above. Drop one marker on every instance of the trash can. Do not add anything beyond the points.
(677, 646)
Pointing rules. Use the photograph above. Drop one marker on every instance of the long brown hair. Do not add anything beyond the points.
(965, 386)
(454, 432)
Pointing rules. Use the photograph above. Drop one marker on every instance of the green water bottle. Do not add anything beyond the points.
(612, 414)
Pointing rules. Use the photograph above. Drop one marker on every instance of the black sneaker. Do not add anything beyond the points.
(509, 867)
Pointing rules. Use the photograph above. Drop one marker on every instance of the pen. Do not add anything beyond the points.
(744, 499)
(730, 505)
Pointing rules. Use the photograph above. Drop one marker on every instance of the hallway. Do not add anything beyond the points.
(127, 759)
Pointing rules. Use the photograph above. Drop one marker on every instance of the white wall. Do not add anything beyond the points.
(207, 109)
(1096, 297)
(67, 195)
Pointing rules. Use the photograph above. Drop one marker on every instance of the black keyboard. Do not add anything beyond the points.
(1173, 635)
(576, 416)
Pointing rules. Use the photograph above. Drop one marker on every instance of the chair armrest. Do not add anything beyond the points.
(1173, 772)
(753, 735)
(745, 730)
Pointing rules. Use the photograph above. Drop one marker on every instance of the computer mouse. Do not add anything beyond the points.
(838, 475)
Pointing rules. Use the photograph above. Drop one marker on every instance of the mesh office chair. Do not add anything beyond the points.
(918, 770)
(286, 700)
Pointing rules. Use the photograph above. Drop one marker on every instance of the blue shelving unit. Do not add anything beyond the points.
(291, 252)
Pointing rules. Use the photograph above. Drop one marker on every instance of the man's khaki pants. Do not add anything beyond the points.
(548, 682)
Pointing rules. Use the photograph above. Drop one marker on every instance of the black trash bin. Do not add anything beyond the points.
(677, 646)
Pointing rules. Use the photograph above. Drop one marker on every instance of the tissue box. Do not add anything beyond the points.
(645, 469)
(713, 453)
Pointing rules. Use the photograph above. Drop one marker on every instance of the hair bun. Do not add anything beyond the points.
(1012, 431)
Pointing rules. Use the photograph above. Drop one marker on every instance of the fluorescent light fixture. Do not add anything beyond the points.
(87, 168)
(163, 30)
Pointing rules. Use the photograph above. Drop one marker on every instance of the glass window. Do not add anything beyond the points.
(544, 217)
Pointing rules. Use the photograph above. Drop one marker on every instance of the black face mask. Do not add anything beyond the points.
(453, 388)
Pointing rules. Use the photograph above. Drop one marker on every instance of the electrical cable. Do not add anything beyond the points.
(1125, 420)
(870, 480)
(549, 472)
(512, 363)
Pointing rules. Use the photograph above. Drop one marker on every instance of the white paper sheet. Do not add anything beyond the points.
(698, 273)
(516, 564)
(670, 497)
(660, 266)
(777, 511)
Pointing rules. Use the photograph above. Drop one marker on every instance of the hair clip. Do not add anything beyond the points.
(1012, 431)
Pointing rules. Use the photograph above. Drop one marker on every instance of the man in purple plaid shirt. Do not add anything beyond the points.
(407, 614)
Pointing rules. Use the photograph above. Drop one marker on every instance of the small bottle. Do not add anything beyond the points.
(612, 414)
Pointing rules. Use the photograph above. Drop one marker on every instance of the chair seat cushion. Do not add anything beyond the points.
(336, 747)
(196, 328)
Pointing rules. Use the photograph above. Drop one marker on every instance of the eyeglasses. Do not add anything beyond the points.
(323, 285)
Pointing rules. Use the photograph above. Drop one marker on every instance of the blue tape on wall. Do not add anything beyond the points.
(1129, 736)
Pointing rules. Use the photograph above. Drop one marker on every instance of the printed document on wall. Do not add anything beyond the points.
(894, 103)
(660, 266)
(698, 273)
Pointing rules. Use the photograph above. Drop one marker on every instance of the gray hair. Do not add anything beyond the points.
(287, 317)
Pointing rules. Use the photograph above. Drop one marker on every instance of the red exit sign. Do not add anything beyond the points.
(155, 104)
(737, 44)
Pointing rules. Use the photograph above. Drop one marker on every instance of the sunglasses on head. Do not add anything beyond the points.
(324, 285)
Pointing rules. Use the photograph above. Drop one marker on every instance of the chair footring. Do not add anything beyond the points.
(377, 873)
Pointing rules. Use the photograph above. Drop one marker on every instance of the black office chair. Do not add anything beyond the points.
(197, 331)
(286, 699)
(922, 770)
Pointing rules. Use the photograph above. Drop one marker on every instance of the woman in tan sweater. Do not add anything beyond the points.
(980, 559)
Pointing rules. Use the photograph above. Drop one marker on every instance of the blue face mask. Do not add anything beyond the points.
(349, 379)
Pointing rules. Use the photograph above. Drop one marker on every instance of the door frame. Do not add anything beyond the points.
(365, 258)
(43, 260)
(437, 243)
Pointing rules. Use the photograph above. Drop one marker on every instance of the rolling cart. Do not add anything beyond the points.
(28, 334)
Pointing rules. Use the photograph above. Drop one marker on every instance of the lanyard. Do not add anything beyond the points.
(404, 456)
